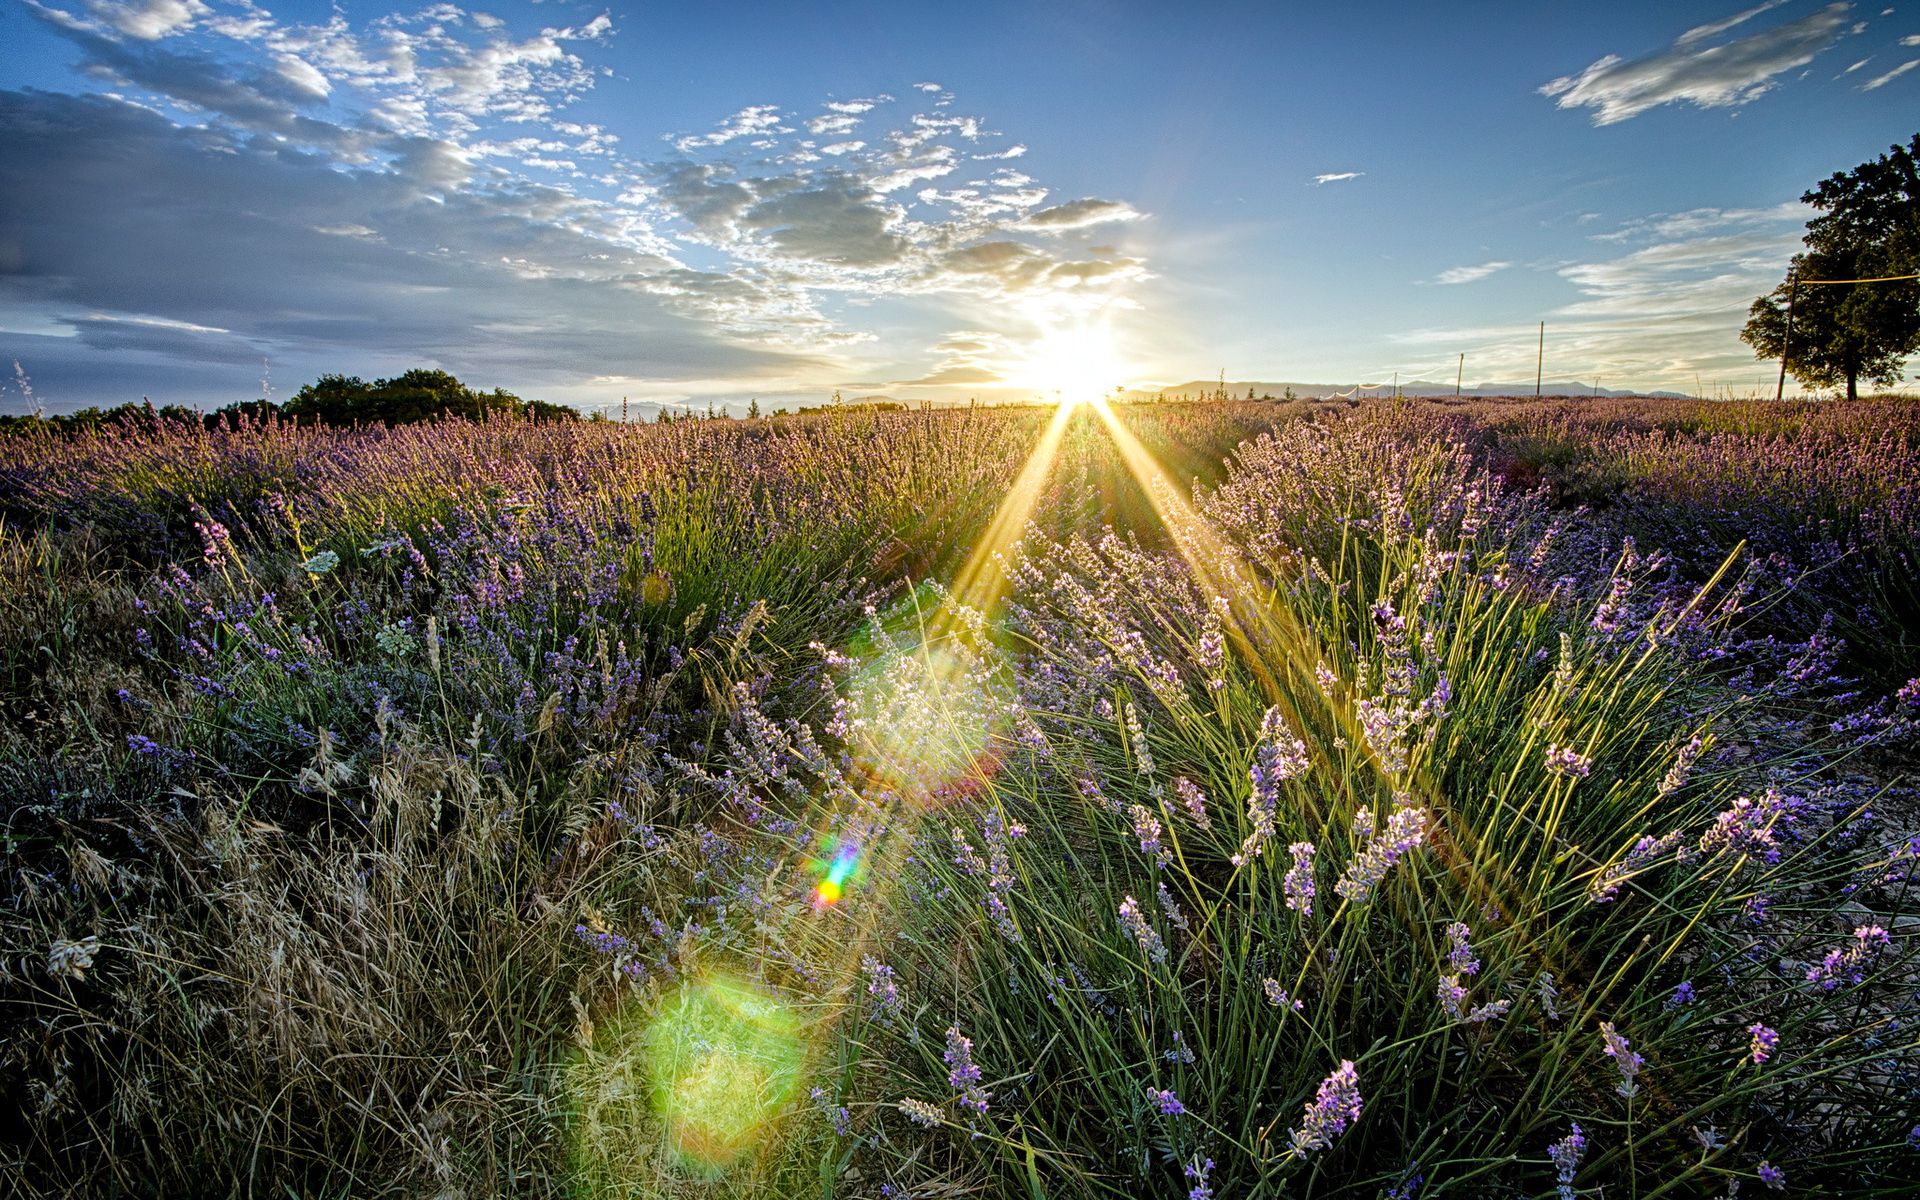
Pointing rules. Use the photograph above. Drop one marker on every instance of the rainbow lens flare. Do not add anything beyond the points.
(840, 872)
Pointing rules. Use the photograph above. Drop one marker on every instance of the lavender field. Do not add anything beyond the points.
(1220, 800)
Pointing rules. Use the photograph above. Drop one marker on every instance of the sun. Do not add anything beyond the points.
(1071, 364)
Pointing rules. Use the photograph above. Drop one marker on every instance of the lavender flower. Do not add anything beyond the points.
(1170, 906)
(1453, 999)
(921, 1113)
(1135, 923)
(836, 1114)
(1168, 1103)
(1567, 762)
(1773, 1176)
(1682, 994)
(1606, 885)
(1277, 996)
(1406, 829)
(1280, 756)
(1750, 826)
(963, 1074)
(1849, 963)
(1181, 1052)
(1760, 1049)
(1197, 1171)
(998, 836)
(1336, 1106)
(886, 1000)
(1193, 800)
(1628, 1063)
(1676, 776)
(1566, 1154)
(1147, 828)
(1460, 954)
(1298, 884)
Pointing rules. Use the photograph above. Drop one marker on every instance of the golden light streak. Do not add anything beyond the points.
(982, 581)
(1270, 636)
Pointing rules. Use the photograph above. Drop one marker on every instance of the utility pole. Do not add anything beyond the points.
(1540, 359)
(1786, 342)
(1458, 373)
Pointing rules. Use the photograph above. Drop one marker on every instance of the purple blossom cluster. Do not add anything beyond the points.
(1848, 963)
(1565, 1155)
(1335, 1106)
(1144, 935)
(1761, 1043)
(1406, 830)
(1278, 756)
(886, 1001)
(1298, 885)
(963, 1074)
(1616, 1047)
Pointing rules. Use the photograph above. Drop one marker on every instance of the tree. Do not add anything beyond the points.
(1868, 228)
(753, 408)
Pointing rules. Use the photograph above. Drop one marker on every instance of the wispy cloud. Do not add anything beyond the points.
(1665, 306)
(1880, 81)
(1454, 275)
(1700, 70)
(1336, 177)
(1078, 214)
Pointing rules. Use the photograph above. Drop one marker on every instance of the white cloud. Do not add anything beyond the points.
(1912, 39)
(1336, 177)
(1715, 28)
(1880, 81)
(1454, 275)
(148, 20)
(1720, 75)
(431, 153)
(1079, 214)
(928, 87)
(1855, 67)
(750, 121)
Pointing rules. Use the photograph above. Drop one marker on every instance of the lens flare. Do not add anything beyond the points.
(694, 1086)
(723, 1060)
(840, 872)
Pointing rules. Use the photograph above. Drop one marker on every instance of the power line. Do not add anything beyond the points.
(1878, 279)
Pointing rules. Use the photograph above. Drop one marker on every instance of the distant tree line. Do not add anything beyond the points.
(406, 399)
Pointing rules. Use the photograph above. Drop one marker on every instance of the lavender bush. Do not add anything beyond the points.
(635, 811)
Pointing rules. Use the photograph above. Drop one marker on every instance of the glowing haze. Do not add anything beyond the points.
(704, 204)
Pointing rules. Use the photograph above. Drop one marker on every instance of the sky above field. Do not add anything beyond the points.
(698, 202)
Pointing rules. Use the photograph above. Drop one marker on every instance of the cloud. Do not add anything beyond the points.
(1079, 214)
(1912, 39)
(1716, 28)
(148, 20)
(1469, 274)
(1718, 75)
(1336, 177)
(1668, 304)
(748, 122)
(422, 179)
(1880, 81)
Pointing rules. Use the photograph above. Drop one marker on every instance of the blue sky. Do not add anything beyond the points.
(698, 202)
